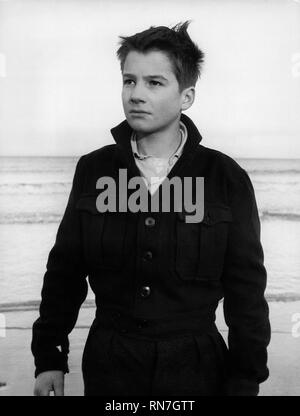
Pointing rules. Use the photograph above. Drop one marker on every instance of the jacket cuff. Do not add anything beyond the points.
(241, 387)
(55, 362)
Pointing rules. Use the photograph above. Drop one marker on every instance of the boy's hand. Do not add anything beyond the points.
(48, 381)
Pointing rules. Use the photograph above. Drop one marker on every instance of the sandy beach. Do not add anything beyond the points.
(16, 361)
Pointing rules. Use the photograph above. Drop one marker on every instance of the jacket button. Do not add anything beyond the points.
(145, 291)
(150, 222)
(148, 255)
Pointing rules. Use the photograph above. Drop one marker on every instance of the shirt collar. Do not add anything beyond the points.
(177, 153)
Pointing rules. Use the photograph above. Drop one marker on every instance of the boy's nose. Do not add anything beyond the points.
(137, 94)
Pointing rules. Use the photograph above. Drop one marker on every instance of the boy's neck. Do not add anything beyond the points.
(160, 144)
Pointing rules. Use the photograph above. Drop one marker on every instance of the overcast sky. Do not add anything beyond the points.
(60, 82)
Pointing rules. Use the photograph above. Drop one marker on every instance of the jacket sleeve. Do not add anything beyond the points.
(246, 311)
(64, 289)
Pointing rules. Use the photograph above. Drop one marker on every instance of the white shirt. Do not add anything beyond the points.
(155, 169)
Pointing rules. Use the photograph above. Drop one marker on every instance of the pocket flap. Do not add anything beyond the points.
(215, 213)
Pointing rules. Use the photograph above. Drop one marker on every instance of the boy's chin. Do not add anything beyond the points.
(140, 127)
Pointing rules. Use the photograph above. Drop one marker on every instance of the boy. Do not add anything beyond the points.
(157, 275)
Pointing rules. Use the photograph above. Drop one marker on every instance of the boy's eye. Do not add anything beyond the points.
(127, 81)
(155, 83)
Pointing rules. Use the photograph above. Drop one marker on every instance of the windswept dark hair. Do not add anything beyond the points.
(184, 54)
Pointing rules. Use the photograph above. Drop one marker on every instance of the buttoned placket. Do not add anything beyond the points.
(147, 227)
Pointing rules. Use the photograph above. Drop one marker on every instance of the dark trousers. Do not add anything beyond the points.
(124, 364)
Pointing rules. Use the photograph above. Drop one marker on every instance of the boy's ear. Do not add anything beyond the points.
(188, 97)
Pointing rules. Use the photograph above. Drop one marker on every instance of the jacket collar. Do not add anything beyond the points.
(122, 136)
(122, 133)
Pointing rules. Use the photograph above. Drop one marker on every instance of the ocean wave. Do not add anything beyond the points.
(24, 170)
(37, 164)
(38, 188)
(276, 183)
(290, 216)
(273, 171)
(34, 185)
(55, 217)
(32, 305)
(30, 218)
(283, 297)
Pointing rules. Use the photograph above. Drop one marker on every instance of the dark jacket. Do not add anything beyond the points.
(162, 268)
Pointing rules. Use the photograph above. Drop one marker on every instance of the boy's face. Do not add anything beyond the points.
(151, 97)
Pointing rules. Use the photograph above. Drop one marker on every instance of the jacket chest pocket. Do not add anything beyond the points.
(103, 235)
(201, 247)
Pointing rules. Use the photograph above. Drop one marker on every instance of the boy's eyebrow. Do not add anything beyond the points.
(147, 77)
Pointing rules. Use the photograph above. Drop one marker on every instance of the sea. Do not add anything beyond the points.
(34, 193)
